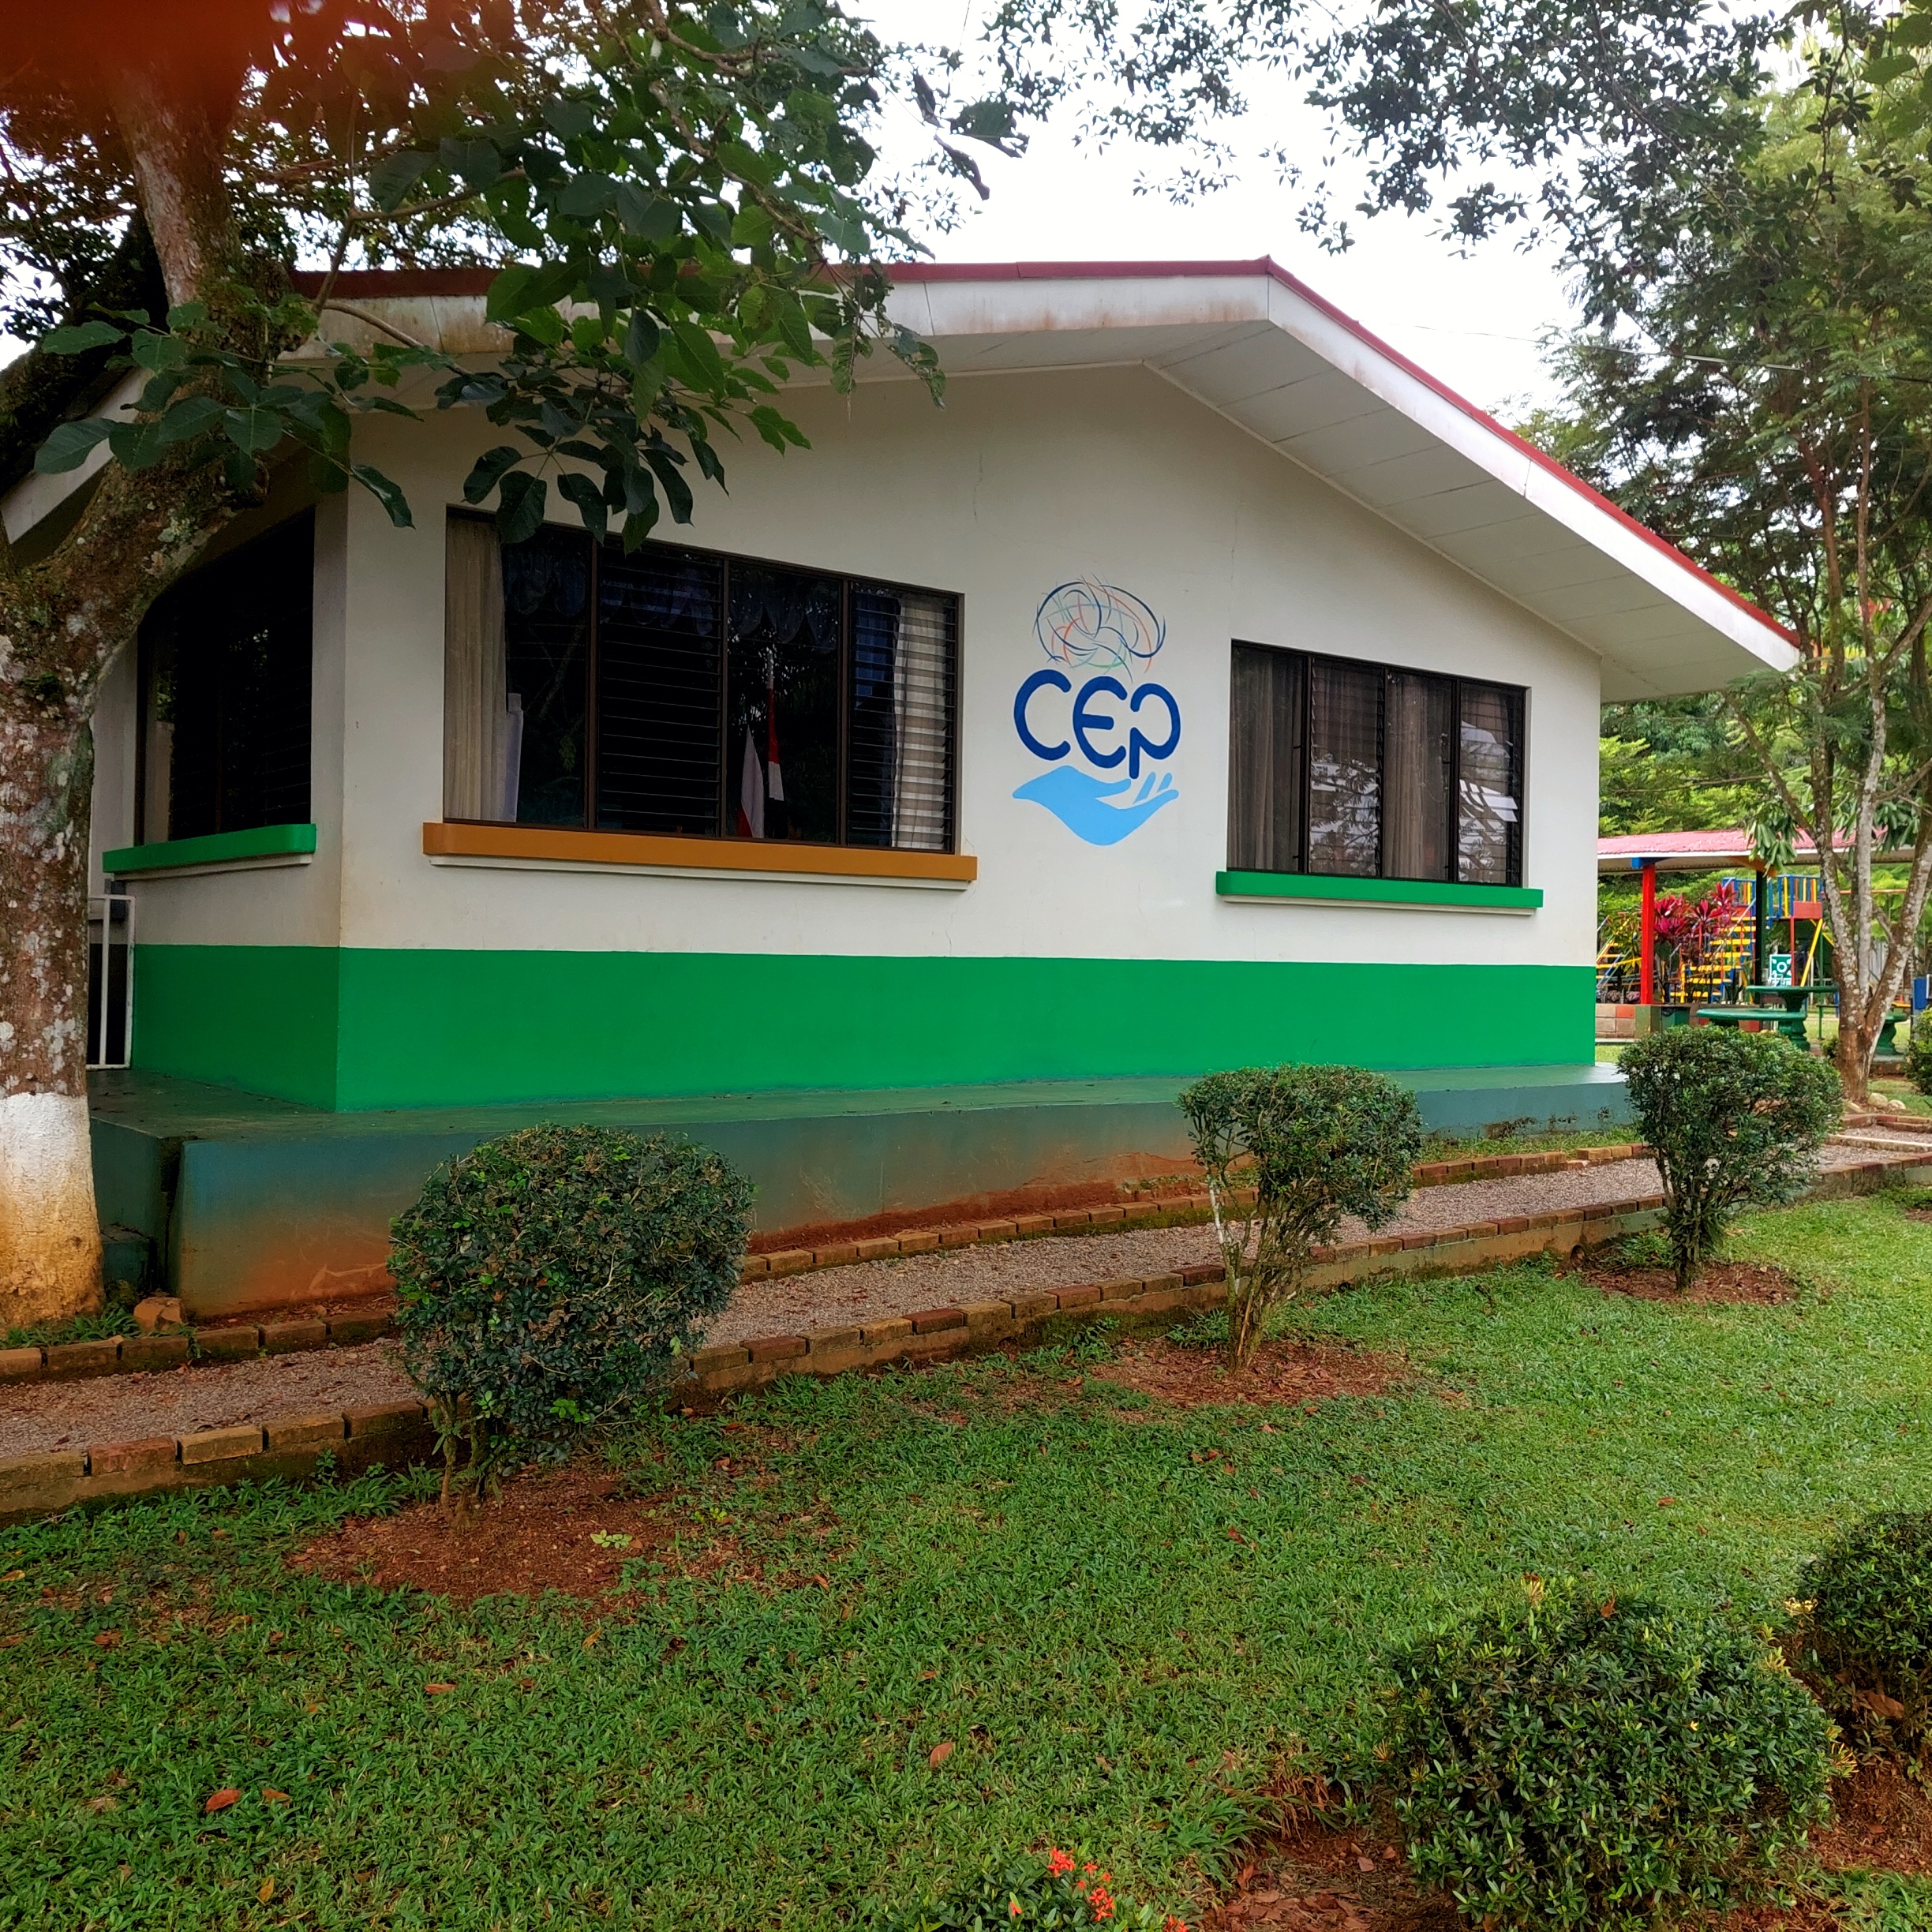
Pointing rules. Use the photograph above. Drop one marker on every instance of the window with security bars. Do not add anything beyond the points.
(680, 691)
(1354, 770)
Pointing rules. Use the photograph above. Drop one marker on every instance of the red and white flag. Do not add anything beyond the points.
(751, 792)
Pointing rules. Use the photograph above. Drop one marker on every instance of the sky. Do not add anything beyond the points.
(1474, 321)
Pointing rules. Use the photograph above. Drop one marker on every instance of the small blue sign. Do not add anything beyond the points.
(1113, 717)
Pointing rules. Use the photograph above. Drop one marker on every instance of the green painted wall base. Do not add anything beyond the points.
(357, 1029)
(258, 1203)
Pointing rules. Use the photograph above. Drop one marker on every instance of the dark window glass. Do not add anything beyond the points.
(1362, 771)
(1418, 764)
(1265, 766)
(1345, 768)
(781, 771)
(228, 651)
(704, 695)
(546, 670)
(1492, 784)
(657, 675)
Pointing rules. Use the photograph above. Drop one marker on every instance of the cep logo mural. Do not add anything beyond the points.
(1094, 706)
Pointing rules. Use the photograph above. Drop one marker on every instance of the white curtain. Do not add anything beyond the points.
(921, 778)
(482, 723)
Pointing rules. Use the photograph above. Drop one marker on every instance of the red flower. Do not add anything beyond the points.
(1057, 1863)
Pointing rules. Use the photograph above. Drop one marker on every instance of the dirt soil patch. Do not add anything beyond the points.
(539, 1534)
(1719, 1281)
(1880, 1818)
(1282, 1372)
(1314, 1878)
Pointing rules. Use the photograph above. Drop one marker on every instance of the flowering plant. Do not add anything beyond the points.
(1058, 1893)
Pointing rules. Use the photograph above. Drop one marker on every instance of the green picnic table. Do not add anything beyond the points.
(1793, 998)
(1790, 1024)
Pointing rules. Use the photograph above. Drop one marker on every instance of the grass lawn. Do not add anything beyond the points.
(1016, 1559)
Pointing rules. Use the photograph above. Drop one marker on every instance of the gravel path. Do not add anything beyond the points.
(38, 1417)
(872, 1290)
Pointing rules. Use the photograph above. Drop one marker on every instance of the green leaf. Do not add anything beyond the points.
(328, 477)
(645, 215)
(677, 492)
(640, 523)
(392, 177)
(476, 162)
(751, 228)
(640, 339)
(78, 338)
(586, 197)
(700, 355)
(186, 315)
(136, 446)
(779, 431)
(70, 445)
(570, 118)
(192, 416)
(522, 288)
(386, 492)
(589, 498)
(255, 430)
(159, 352)
(523, 497)
(489, 471)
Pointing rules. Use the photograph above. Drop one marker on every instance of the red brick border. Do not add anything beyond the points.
(400, 1433)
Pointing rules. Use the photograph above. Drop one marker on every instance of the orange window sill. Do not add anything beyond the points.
(540, 845)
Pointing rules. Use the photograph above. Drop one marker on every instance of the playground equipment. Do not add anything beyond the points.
(1708, 951)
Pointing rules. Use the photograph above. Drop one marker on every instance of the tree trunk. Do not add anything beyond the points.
(49, 1235)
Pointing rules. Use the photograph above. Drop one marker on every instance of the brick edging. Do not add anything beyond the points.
(290, 1447)
(69, 1361)
(399, 1433)
(1174, 1210)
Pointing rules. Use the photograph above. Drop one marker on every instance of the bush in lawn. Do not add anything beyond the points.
(1032, 1894)
(1733, 1117)
(1865, 1638)
(1919, 1053)
(1288, 1150)
(551, 1277)
(1600, 1764)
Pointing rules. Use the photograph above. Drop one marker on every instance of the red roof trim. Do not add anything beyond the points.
(427, 281)
(372, 283)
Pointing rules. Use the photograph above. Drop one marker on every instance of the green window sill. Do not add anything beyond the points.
(1377, 891)
(279, 841)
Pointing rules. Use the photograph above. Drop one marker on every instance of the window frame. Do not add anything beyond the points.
(1518, 872)
(849, 584)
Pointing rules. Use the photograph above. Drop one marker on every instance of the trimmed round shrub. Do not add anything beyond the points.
(1733, 1118)
(1601, 1764)
(552, 1278)
(1864, 1640)
(1288, 1152)
(1058, 1893)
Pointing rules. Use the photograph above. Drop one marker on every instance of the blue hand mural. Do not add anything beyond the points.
(1076, 799)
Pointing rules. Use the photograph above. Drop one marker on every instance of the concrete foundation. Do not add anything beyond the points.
(256, 1203)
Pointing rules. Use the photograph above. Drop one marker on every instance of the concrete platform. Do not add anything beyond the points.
(258, 1203)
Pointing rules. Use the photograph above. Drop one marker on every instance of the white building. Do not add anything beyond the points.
(1203, 684)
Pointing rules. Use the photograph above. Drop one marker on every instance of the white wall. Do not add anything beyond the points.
(1020, 483)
